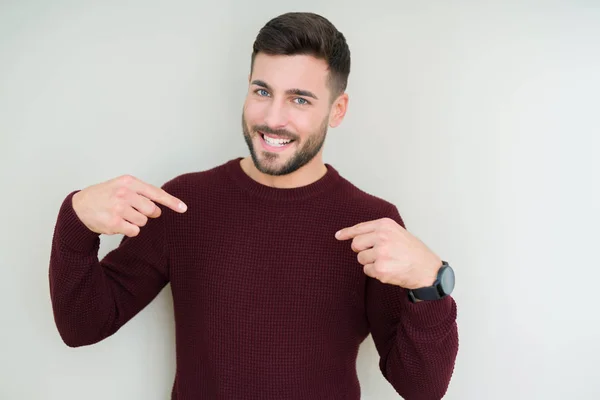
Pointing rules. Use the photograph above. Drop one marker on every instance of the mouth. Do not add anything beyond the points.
(274, 142)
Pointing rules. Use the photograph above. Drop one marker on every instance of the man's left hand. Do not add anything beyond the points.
(391, 254)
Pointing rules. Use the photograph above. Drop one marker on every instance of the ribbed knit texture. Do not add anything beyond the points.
(268, 304)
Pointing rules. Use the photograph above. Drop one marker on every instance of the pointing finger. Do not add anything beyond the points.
(358, 229)
(159, 195)
(145, 205)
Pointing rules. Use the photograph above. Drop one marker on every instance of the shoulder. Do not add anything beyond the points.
(193, 184)
(366, 205)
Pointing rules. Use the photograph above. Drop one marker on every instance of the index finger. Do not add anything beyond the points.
(358, 229)
(159, 195)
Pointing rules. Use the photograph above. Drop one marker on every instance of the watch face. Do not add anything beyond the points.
(447, 280)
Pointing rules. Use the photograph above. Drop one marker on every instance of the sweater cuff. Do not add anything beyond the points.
(71, 232)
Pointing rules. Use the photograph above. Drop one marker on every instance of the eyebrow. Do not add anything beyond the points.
(298, 92)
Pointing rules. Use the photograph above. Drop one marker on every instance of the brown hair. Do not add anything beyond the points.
(307, 34)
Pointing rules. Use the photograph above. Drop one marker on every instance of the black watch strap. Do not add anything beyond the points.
(426, 293)
(433, 292)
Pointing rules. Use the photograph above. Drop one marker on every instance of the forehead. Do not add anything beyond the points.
(286, 72)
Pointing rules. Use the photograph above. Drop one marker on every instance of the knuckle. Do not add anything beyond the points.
(379, 268)
(118, 208)
(126, 179)
(387, 224)
(133, 232)
(114, 223)
(151, 208)
(382, 235)
(143, 220)
(155, 210)
(121, 192)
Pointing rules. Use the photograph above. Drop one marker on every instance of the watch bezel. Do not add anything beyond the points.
(444, 271)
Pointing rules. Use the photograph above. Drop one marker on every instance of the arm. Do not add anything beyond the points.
(417, 343)
(92, 298)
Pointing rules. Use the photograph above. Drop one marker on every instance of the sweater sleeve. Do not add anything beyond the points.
(91, 298)
(417, 343)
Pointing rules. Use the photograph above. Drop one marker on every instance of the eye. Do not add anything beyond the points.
(301, 101)
(262, 92)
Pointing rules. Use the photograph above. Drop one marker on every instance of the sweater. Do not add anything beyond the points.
(268, 304)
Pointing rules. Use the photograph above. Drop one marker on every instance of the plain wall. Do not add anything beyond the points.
(479, 120)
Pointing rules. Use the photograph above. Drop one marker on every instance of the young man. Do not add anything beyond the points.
(279, 267)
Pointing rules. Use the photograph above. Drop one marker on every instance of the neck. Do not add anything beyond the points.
(306, 175)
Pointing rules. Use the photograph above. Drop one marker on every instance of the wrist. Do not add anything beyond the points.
(442, 285)
(430, 273)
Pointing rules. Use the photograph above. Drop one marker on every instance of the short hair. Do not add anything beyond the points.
(307, 33)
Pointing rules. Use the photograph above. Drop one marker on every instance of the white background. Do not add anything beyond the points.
(479, 120)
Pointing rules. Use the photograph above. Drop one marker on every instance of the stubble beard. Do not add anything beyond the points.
(306, 150)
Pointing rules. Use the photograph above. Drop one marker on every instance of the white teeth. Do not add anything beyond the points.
(276, 142)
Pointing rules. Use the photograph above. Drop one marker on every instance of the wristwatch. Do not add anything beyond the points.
(442, 287)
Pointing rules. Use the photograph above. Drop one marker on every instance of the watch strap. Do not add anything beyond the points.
(433, 292)
(425, 293)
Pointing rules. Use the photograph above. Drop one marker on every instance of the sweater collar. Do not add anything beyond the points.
(325, 184)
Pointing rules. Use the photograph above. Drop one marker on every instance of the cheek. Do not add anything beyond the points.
(252, 114)
(303, 126)
(308, 123)
(255, 108)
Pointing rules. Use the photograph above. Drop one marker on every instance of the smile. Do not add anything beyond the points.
(271, 142)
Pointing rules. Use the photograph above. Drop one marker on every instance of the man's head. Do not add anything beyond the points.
(299, 71)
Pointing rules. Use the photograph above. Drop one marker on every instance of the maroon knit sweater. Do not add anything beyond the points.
(268, 303)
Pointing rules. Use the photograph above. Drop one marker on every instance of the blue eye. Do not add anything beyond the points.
(262, 92)
(301, 101)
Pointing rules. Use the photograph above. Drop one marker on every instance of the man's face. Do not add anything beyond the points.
(286, 112)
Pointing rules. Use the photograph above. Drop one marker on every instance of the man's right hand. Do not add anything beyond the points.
(122, 205)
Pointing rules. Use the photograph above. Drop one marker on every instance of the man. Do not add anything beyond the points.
(279, 267)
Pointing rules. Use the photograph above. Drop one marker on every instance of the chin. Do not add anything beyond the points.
(272, 164)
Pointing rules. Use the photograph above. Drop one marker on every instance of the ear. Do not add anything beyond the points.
(338, 110)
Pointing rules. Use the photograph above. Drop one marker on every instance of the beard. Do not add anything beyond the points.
(306, 149)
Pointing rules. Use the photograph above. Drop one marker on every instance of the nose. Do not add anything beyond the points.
(276, 116)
